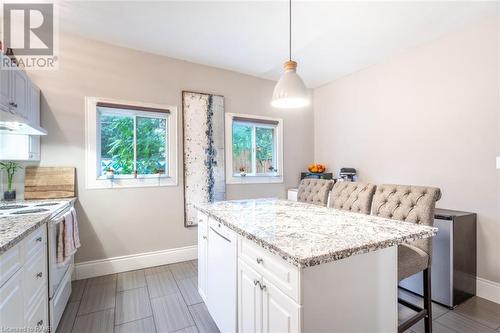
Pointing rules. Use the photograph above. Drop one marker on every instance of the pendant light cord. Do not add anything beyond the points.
(290, 30)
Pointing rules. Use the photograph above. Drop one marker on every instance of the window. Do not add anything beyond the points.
(255, 154)
(130, 144)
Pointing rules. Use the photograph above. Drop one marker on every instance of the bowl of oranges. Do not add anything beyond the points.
(316, 168)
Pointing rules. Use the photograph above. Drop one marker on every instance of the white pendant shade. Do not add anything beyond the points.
(290, 91)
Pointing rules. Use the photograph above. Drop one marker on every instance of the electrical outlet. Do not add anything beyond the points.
(498, 162)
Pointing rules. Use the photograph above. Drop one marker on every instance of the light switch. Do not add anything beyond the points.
(498, 162)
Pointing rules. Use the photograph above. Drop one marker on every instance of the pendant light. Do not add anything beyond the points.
(290, 91)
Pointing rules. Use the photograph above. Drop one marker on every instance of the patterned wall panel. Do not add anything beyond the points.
(203, 131)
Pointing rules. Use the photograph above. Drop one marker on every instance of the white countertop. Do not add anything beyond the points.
(307, 235)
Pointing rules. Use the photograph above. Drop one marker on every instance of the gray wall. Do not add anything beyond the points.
(117, 222)
(428, 116)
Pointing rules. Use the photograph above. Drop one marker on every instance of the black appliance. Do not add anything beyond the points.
(347, 174)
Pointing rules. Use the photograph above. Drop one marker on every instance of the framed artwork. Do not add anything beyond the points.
(203, 136)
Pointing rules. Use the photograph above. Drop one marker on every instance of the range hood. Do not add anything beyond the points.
(14, 124)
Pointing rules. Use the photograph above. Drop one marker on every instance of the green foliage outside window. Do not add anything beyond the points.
(242, 148)
(264, 149)
(117, 144)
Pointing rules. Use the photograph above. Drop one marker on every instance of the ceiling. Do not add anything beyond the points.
(330, 38)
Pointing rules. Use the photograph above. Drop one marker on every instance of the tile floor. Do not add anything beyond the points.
(165, 299)
(157, 299)
(477, 315)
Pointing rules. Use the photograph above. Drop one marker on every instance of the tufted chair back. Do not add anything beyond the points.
(354, 197)
(314, 191)
(408, 203)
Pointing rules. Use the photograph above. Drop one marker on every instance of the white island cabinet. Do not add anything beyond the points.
(202, 255)
(301, 268)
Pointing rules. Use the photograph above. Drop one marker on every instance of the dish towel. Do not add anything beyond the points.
(68, 239)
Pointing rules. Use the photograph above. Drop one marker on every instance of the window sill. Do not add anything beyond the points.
(116, 183)
(254, 180)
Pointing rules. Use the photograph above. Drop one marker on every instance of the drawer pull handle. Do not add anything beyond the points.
(262, 287)
(39, 239)
(40, 323)
(256, 282)
(204, 237)
(39, 274)
(260, 260)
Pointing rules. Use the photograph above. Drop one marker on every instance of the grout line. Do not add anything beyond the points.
(467, 318)
(114, 311)
(187, 306)
(87, 313)
(131, 321)
(79, 304)
(150, 305)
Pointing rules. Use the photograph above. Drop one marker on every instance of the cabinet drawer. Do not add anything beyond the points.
(35, 278)
(35, 241)
(283, 275)
(37, 318)
(10, 262)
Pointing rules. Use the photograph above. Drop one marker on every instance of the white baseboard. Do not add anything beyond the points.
(488, 289)
(89, 269)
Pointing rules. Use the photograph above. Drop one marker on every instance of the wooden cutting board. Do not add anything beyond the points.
(49, 183)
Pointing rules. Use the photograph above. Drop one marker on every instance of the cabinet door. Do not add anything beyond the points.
(279, 312)
(34, 118)
(5, 76)
(11, 303)
(19, 92)
(249, 299)
(202, 259)
(37, 318)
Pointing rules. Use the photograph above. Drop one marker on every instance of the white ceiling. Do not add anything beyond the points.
(330, 38)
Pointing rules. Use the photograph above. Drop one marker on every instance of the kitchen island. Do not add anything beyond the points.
(280, 266)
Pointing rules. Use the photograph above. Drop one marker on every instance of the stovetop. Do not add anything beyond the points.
(27, 207)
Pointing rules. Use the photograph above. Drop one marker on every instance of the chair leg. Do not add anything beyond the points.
(427, 300)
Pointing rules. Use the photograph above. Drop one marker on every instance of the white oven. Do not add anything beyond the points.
(59, 274)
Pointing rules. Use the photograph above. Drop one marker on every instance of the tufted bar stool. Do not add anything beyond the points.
(354, 197)
(413, 204)
(314, 191)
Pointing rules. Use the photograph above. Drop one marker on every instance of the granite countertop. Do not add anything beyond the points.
(13, 229)
(307, 235)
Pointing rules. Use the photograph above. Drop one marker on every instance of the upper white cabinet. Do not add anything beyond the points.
(5, 87)
(14, 86)
(19, 93)
(19, 96)
(34, 117)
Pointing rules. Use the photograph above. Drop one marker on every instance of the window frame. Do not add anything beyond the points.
(93, 143)
(254, 178)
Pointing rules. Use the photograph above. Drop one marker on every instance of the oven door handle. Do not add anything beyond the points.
(59, 220)
(59, 217)
(65, 262)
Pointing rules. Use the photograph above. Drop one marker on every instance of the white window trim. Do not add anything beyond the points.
(250, 179)
(92, 178)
